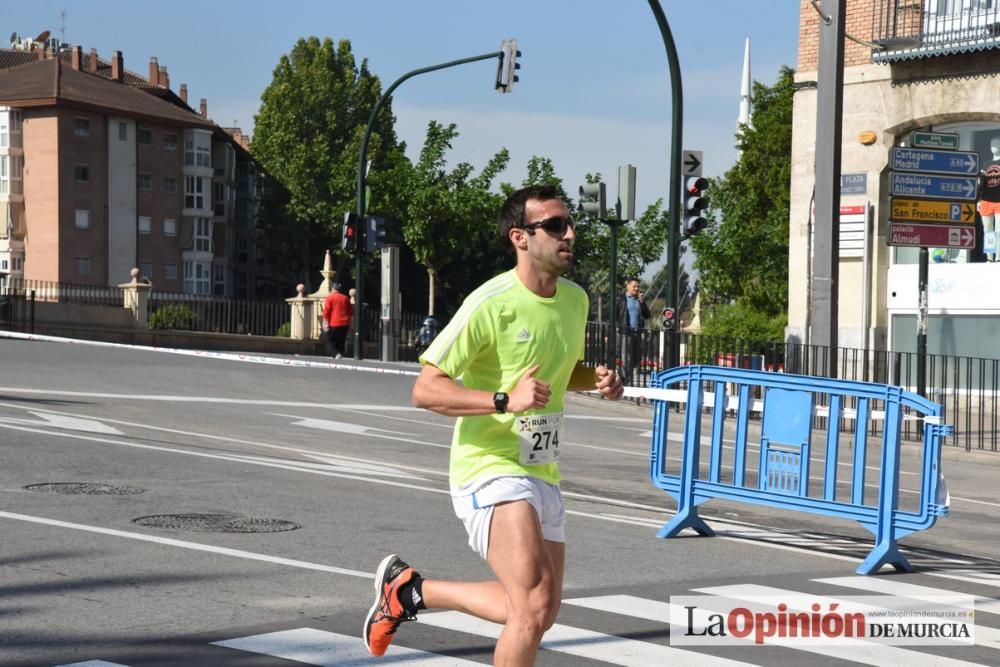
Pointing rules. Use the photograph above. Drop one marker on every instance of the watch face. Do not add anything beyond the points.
(500, 401)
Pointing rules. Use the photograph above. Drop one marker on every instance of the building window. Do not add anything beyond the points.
(203, 235)
(145, 136)
(82, 266)
(169, 227)
(198, 150)
(170, 143)
(4, 174)
(145, 182)
(145, 270)
(194, 193)
(82, 219)
(169, 184)
(219, 280)
(196, 277)
(145, 224)
(4, 131)
(170, 272)
(81, 173)
(122, 131)
(81, 127)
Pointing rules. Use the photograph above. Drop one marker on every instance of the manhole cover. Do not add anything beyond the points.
(217, 523)
(85, 489)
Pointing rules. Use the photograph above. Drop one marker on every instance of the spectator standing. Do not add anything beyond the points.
(337, 314)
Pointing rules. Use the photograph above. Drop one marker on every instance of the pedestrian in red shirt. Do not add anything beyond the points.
(337, 314)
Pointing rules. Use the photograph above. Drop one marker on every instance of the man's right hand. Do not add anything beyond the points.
(529, 393)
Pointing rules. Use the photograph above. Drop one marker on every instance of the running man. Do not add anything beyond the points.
(517, 343)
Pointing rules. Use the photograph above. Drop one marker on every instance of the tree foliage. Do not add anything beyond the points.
(448, 212)
(307, 138)
(742, 257)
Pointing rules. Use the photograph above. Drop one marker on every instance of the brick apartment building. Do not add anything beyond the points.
(102, 170)
(919, 65)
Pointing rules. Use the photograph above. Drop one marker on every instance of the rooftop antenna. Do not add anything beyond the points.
(62, 24)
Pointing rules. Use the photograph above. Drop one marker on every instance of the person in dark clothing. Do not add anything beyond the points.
(631, 320)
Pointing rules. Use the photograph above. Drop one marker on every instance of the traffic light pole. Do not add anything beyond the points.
(673, 233)
(359, 261)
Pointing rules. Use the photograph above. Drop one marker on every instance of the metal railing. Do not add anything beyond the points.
(17, 309)
(968, 388)
(221, 315)
(919, 28)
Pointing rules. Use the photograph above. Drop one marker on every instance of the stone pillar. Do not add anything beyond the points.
(136, 299)
(318, 298)
(301, 313)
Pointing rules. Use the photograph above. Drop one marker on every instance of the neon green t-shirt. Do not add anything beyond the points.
(500, 332)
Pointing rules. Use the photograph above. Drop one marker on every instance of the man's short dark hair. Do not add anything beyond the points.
(512, 212)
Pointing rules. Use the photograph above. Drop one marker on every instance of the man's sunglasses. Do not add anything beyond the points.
(556, 225)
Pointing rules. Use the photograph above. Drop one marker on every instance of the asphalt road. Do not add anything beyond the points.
(124, 471)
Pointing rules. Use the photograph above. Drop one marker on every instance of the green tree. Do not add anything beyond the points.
(742, 257)
(448, 211)
(307, 138)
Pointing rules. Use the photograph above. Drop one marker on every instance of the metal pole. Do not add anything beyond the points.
(359, 279)
(613, 300)
(922, 324)
(674, 202)
(829, 115)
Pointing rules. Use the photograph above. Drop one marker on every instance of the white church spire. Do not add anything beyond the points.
(744, 118)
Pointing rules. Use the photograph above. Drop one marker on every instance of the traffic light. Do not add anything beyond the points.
(669, 320)
(375, 234)
(349, 233)
(592, 200)
(694, 204)
(507, 66)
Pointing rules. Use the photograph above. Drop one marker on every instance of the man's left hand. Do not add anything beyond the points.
(608, 383)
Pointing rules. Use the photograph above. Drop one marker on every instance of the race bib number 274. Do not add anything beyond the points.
(538, 438)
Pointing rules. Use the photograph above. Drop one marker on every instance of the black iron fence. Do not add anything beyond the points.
(17, 309)
(909, 29)
(216, 314)
(968, 388)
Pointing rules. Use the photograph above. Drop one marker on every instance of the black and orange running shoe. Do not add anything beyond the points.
(387, 612)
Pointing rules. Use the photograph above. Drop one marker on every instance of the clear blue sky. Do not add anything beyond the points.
(594, 89)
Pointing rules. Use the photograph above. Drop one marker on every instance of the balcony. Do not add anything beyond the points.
(911, 29)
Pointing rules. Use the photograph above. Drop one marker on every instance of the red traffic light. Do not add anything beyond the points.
(668, 313)
(696, 184)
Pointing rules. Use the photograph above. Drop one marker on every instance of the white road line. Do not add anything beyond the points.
(978, 577)
(93, 663)
(903, 589)
(888, 654)
(748, 530)
(194, 546)
(326, 649)
(585, 643)
(170, 398)
(291, 465)
(676, 615)
(324, 456)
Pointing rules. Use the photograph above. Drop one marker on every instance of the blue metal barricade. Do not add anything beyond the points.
(793, 408)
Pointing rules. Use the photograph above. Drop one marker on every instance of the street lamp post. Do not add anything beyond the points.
(673, 233)
(362, 176)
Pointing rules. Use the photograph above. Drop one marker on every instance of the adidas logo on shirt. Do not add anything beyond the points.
(523, 335)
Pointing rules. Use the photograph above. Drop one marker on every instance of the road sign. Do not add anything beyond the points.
(692, 163)
(943, 162)
(920, 139)
(932, 236)
(934, 187)
(853, 184)
(924, 210)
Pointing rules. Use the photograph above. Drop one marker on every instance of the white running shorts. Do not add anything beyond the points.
(476, 509)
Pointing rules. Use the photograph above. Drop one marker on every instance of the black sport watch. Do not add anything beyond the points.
(500, 401)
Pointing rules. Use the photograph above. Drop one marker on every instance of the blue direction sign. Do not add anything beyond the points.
(944, 162)
(936, 187)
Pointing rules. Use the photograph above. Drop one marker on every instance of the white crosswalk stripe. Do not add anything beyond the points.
(318, 647)
(985, 636)
(325, 648)
(887, 654)
(628, 605)
(611, 649)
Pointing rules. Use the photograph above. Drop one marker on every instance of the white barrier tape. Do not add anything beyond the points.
(733, 403)
(227, 356)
